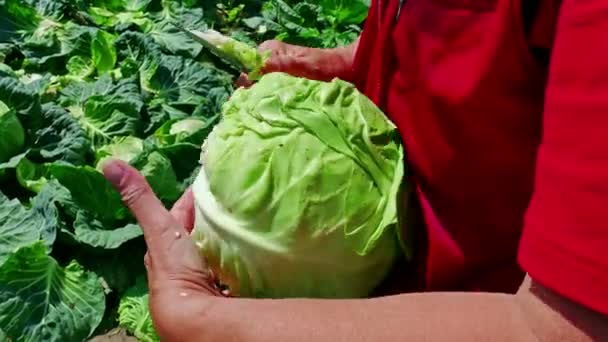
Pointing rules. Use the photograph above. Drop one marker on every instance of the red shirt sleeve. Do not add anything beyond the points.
(565, 240)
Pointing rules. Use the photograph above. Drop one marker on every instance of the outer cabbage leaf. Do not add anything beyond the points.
(172, 39)
(159, 113)
(345, 11)
(30, 175)
(42, 84)
(100, 216)
(195, 88)
(16, 16)
(325, 23)
(119, 268)
(121, 13)
(152, 164)
(50, 45)
(153, 20)
(23, 100)
(103, 52)
(50, 200)
(42, 301)
(40, 221)
(137, 47)
(35, 26)
(79, 68)
(12, 135)
(95, 233)
(61, 137)
(134, 313)
(127, 149)
(105, 109)
(5, 70)
(90, 191)
(178, 87)
(312, 209)
(19, 227)
(42, 32)
(181, 156)
(191, 130)
(180, 141)
(160, 175)
(10, 165)
(50, 8)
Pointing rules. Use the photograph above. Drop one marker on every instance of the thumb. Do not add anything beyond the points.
(278, 56)
(155, 220)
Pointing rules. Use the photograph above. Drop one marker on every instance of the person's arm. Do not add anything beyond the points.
(564, 246)
(312, 63)
(533, 314)
(185, 306)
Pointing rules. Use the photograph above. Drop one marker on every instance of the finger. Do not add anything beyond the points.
(147, 260)
(183, 210)
(154, 219)
(243, 81)
(135, 192)
(275, 62)
(270, 45)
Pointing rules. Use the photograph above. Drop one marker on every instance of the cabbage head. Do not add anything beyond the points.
(298, 191)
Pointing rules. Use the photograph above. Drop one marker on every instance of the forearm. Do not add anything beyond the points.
(338, 62)
(437, 317)
(415, 317)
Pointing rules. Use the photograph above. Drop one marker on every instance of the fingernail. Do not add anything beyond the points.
(113, 171)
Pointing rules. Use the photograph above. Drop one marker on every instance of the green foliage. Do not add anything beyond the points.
(43, 301)
(325, 23)
(12, 131)
(134, 312)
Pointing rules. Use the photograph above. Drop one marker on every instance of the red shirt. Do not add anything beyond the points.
(509, 152)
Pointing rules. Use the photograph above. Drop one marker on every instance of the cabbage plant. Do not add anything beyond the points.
(297, 193)
(11, 133)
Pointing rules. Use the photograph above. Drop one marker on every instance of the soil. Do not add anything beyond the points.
(116, 335)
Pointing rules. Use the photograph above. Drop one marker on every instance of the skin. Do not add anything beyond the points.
(185, 306)
(311, 63)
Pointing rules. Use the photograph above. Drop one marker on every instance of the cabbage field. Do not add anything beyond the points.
(81, 80)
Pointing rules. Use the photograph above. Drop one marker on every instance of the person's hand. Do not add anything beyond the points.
(311, 63)
(283, 58)
(177, 275)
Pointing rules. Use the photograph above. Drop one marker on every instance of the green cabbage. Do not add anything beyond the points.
(12, 135)
(297, 193)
